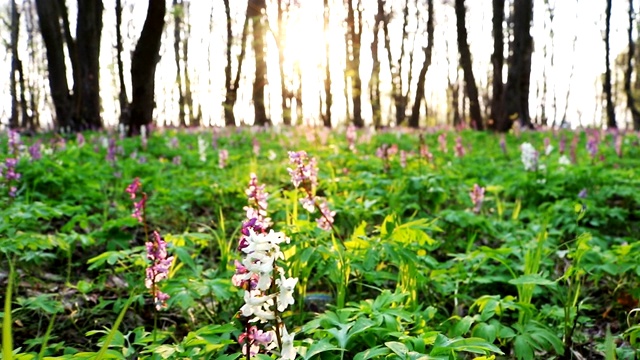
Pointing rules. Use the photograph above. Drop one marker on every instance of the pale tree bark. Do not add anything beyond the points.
(328, 96)
(143, 67)
(37, 67)
(497, 62)
(631, 103)
(256, 11)
(354, 34)
(414, 119)
(231, 85)
(374, 83)
(519, 63)
(471, 88)
(195, 117)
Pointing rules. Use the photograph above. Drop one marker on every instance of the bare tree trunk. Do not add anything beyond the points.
(400, 102)
(195, 117)
(255, 12)
(611, 114)
(31, 87)
(497, 61)
(143, 67)
(177, 41)
(231, 86)
(89, 31)
(49, 19)
(414, 119)
(280, 42)
(328, 99)
(466, 63)
(14, 121)
(374, 83)
(517, 91)
(354, 33)
(631, 103)
(123, 99)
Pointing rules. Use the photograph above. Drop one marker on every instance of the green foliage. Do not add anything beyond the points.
(410, 271)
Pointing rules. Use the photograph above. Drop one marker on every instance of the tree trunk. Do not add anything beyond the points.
(177, 41)
(195, 117)
(467, 66)
(49, 21)
(14, 121)
(231, 90)
(399, 101)
(497, 61)
(354, 33)
(89, 30)
(255, 12)
(328, 99)
(519, 76)
(374, 83)
(631, 103)
(123, 99)
(414, 119)
(280, 42)
(611, 114)
(143, 67)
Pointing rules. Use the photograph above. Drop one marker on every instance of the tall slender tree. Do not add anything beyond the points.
(519, 63)
(497, 62)
(178, 13)
(396, 65)
(414, 119)
(285, 92)
(123, 99)
(631, 103)
(256, 12)
(143, 67)
(611, 113)
(374, 82)
(328, 96)
(467, 66)
(354, 36)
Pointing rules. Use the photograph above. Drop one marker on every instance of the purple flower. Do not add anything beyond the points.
(503, 145)
(562, 144)
(34, 151)
(176, 160)
(111, 151)
(592, 146)
(80, 139)
(14, 142)
(133, 188)
(325, 221)
(459, 148)
(477, 197)
(223, 155)
(159, 269)
(583, 193)
(305, 172)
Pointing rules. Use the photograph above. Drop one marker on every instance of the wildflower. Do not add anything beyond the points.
(138, 206)
(529, 157)
(177, 160)
(306, 170)
(159, 269)
(592, 146)
(564, 160)
(325, 221)
(271, 155)
(223, 155)
(442, 140)
(256, 147)
(111, 151)
(503, 145)
(618, 144)
(548, 149)
(403, 159)
(174, 143)
(34, 151)
(14, 142)
(288, 352)
(477, 197)
(132, 189)
(351, 137)
(459, 148)
(583, 193)
(562, 144)
(80, 141)
(202, 149)
(425, 153)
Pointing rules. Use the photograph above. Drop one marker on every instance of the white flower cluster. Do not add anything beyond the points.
(202, 149)
(529, 157)
(257, 271)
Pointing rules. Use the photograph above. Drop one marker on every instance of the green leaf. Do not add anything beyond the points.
(532, 279)
(319, 347)
(398, 348)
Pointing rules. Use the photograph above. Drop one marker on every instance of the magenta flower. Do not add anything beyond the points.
(138, 206)
(306, 170)
(223, 155)
(459, 148)
(442, 140)
(159, 269)
(133, 188)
